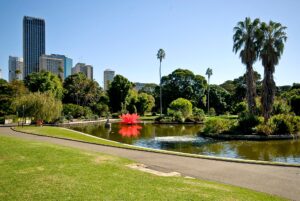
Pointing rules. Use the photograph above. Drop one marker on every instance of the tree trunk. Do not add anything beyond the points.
(160, 88)
(251, 89)
(268, 92)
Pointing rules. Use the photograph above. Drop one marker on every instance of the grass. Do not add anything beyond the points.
(66, 133)
(41, 171)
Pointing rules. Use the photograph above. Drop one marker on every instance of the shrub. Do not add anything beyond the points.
(212, 111)
(182, 106)
(246, 123)
(280, 124)
(280, 106)
(76, 111)
(295, 104)
(283, 124)
(217, 126)
(240, 107)
(198, 114)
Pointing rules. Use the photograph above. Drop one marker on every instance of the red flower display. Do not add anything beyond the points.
(130, 131)
(129, 118)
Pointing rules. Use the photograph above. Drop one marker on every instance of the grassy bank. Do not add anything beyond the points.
(66, 133)
(41, 171)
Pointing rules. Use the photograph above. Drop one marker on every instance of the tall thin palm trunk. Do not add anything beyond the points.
(268, 93)
(160, 88)
(251, 89)
(208, 97)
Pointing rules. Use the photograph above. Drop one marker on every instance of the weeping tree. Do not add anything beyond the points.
(39, 106)
(272, 37)
(245, 40)
(160, 55)
(208, 73)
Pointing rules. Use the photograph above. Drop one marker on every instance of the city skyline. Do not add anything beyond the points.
(127, 39)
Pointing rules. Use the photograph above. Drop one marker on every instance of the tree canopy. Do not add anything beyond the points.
(44, 82)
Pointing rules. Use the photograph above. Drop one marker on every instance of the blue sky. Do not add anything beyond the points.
(125, 35)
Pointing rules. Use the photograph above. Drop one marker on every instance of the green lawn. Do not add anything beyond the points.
(65, 133)
(41, 171)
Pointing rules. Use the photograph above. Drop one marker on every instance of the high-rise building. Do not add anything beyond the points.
(16, 68)
(83, 68)
(33, 43)
(108, 78)
(52, 64)
(68, 63)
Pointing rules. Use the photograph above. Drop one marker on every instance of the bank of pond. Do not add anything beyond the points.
(187, 138)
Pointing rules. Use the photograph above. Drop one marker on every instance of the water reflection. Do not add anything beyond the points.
(130, 131)
(184, 138)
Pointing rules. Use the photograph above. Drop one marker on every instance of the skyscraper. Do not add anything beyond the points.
(53, 64)
(33, 43)
(16, 69)
(83, 68)
(108, 78)
(68, 63)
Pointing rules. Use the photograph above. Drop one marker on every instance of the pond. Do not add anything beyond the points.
(184, 138)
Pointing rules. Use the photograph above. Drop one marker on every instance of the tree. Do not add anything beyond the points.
(245, 41)
(40, 106)
(160, 55)
(44, 82)
(118, 92)
(182, 106)
(272, 37)
(183, 83)
(220, 99)
(81, 91)
(145, 103)
(208, 73)
(149, 89)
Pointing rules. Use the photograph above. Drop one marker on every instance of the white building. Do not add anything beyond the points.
(53, 64)
(83, 68)
(16, 67)
(108, 78)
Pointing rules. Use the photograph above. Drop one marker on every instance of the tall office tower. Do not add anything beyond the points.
(68, 63)
(15, 66)
(83, 68)
(52, 64)
(33, 43)
(108, 78)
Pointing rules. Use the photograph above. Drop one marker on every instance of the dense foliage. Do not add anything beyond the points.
(40, 106)
(44, 82)
(180, 109)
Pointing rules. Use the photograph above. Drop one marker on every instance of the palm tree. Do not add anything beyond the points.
(160, 55)
(208, 73)
(245, 41)
(272, 38)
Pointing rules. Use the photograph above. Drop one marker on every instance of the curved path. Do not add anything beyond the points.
(277, 180)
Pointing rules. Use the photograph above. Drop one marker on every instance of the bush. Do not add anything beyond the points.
(295, 104)
(212, 111)
(284, 124)
(217, 126)
(76, 111)
(240, 107)
(279, 125)
(198, 114)
(180, 109)
(280, 106)
(246, 123)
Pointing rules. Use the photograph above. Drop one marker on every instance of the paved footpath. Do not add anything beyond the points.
(277, 180)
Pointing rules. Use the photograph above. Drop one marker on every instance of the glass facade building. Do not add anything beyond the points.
(33, 43)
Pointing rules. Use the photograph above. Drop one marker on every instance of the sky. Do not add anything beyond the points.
(126, 35)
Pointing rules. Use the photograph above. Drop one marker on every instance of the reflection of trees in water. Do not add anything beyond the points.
(176, 130)
(267, 150)
(213, 149)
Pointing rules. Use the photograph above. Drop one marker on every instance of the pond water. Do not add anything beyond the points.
(184, 138)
